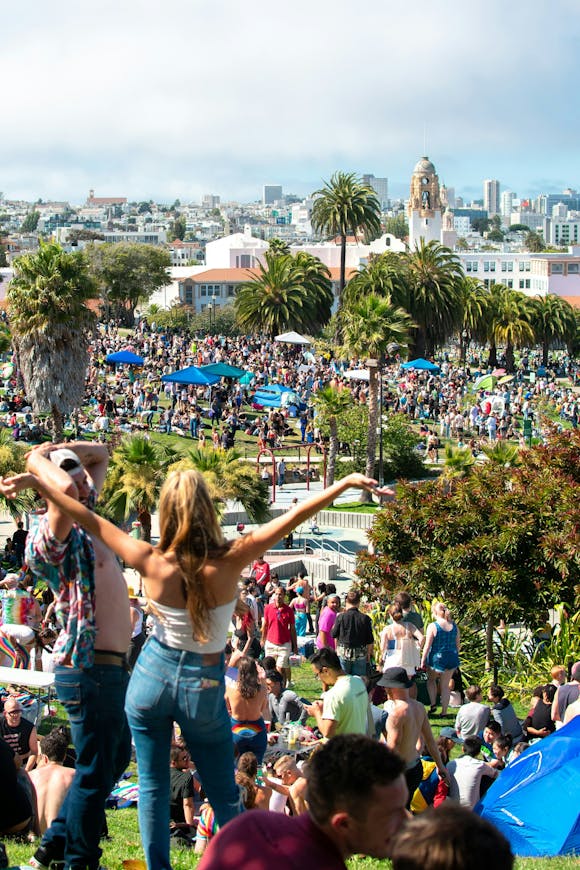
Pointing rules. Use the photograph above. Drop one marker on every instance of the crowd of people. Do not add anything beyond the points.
(215, 722)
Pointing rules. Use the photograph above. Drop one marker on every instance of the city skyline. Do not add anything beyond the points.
(224, 98)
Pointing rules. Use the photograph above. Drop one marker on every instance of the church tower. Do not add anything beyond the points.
(424, 209)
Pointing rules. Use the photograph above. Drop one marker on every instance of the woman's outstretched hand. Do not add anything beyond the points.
(368, 483)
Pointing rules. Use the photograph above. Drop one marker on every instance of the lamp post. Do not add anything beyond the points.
(392, 348)
(209, 308)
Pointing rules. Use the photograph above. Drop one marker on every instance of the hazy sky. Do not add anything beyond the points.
(150, 99)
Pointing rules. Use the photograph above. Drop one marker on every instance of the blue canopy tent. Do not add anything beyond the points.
(223, 370)
(191, 375)
(421, 365)
(535, 802)
(125, 357)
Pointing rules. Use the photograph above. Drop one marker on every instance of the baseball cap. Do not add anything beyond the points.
(67, 460)
(395, 678)
(450, 734)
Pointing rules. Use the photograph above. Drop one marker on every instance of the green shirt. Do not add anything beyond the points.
(347, 704)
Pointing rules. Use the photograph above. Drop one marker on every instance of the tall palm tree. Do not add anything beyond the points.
(511, 321)
(553, 321)
(229, 479)
(370, 325)
(331, 404)
(432, 296)
(12, 461)
(286, 292)
(475, 304)
(343, 206)
(137, 471)
(278, 246)
(50, 323)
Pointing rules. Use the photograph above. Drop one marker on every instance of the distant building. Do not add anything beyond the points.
(104, 201)
(380, 187)
(424, 208)
(272, 193)
(563, 232)
(491, 196)
(507, 203)
(210, 200)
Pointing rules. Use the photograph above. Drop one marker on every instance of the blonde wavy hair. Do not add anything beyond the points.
(189, 527)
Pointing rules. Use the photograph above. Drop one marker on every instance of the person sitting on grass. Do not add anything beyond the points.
(51, 779)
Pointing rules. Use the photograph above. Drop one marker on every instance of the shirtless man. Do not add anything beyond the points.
(50, 779)
(92, 608)
(407, 725)
(293, 783)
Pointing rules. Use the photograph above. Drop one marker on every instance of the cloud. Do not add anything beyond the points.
(184, 97)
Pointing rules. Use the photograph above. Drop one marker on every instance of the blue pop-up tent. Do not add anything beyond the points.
(535, 801)
(421, 365)
(191, 375)
(125, 357)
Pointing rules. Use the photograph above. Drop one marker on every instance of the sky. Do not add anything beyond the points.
(176, 99)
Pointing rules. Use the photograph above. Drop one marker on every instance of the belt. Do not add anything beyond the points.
(110, 658)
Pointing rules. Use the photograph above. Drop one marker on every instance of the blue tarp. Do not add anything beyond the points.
(275, 396)
(535, 802)
(421, 364)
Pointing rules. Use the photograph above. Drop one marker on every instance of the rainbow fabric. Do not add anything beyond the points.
(16, 606)
(247, 729)
(17, 654)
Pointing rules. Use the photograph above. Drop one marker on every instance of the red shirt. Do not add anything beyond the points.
(279, 621)
(260, 840)
(261, 572)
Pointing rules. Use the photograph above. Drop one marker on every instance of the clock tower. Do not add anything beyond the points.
(424, 208)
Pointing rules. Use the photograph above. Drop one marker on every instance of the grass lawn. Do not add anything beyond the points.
(124, 842)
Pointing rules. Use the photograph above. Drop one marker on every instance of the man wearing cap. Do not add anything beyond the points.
(91, 675)
(407, 723)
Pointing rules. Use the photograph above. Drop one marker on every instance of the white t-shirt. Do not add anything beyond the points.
(465, 775)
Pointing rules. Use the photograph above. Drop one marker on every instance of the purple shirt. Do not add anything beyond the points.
(325, 623)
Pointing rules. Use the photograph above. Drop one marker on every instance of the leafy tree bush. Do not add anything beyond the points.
(400, 457)
(501, 543)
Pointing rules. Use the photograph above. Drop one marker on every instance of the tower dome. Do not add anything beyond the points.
(424, 206)
(424, 165)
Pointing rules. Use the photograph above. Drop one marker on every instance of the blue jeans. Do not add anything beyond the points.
(171, 685)
(356, 667)
(94, 700)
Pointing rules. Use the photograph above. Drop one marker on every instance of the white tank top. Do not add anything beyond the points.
(173, 627)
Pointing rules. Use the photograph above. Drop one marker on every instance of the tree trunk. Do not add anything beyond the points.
(510, 363)
(545, 349)
(342, 280)
(332, 451)
(489, 656)
(492, 360)
(417, 344)
(374, 375)
(57, 425)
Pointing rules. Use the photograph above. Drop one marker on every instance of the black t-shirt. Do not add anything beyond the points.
(353, 628)
(180, 788)
(17, 737)
(14, 804)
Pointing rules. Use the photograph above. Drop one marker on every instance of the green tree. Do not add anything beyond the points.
(501, 543)
(480, 225)
(369, 326)
(50, 323)
(137, 471)
(331, 404)
(285, 292)
(397, 226)
(553, 321)
(128, 275)
(534, 243)
(432, 296)
(178, 228)
(278, 246)
(228, 479)
(511, 321)
(3, 258)
(475, 301)
(12, 461)
(30, 222)
(345, 206)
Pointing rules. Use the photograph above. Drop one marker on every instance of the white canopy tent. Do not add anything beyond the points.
(357, 374)
(292, 338)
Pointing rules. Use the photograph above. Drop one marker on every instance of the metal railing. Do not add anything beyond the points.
(329, 548)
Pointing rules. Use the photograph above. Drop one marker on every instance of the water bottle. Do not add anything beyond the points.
(285, 733)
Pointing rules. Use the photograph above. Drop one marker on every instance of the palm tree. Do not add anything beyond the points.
(553, 321)
(432, 296)
(511, 321)
(458, 463)
(344, 205)
(229, 479)
(475, 301)
(278, 246)
(503, 453)
(12, 461)
(370, 325)
(285, 293)
(137, 471)
(50, 323)
(331, 404)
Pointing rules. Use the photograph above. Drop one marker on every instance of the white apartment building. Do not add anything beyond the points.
(533, 274)
(507, 203)
(564, 232)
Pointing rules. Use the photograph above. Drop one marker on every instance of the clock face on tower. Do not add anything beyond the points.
(424, 180)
